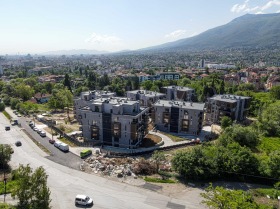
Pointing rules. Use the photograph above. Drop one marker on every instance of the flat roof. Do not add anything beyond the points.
(228, 98)
(180, 104)
(115, 101)
(146, 93)
(181, 88)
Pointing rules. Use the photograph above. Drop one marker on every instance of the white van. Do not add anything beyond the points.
(83, 200)
(57, 143)
(64, 147)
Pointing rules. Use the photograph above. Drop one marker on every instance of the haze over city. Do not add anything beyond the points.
(41, 26)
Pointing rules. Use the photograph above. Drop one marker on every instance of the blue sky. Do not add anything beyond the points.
(35, 26)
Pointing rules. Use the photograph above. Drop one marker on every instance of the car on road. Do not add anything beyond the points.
(83, 200)
(43, 134)
(52, 141)
(35, 128)
(18, 143)
(7, 128)
(19, 115)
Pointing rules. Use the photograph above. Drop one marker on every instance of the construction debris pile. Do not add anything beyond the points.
(121, 167)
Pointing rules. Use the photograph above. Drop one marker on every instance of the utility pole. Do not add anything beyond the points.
(5, 179)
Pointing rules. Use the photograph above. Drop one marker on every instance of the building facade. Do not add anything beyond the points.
(146, 98)
(233, 106)
(178, 93)
(87, 97)
(114, 122)
(178, 116)
(160, 76)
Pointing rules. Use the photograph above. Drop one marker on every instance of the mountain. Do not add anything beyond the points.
(74, 52)
(250, 30)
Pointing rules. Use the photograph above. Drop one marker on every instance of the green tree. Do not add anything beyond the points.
(67, 97)
(67, 82)
(275, 92)
(245, 136)
(2, 106)
(5, 155)
(31, 190)
(221, 198)
(158, 157)
(14, 102)
(274, 164)
(24, 92)
(226, 122)
(195, 164)
(222, 87)
(147, 85)
(246, 87)
(270, 120)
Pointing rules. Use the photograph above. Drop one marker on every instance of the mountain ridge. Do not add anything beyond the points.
(250, 30)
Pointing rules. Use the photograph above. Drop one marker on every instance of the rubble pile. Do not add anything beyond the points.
(121, 167)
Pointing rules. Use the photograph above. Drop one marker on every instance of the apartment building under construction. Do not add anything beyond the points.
(115, 122)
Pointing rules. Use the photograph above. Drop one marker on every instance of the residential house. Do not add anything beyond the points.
(42, 98)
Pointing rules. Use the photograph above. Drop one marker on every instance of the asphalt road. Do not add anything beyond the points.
(68, 159)
(65, 183)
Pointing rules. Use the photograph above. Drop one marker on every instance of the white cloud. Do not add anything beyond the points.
(244, 7)
(270, 4)
(240, 7)
(102, 39)
(176, 34)
(278, 11)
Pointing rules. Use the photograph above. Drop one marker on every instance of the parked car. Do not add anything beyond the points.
(57, 144)
(39, 131)
(83, 200)
(18, 143)
(43, 134)
(7, 128)
(35, 128)
(52, 141)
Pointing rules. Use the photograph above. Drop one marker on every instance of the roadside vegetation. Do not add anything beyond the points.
(28, 186)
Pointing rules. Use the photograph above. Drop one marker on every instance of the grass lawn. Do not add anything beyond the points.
(157, 180)
(7, 115)
(64, 140)
(269, 144)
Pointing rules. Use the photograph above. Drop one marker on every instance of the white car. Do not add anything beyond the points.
(43, 134)
(83, 200)
(35, 128)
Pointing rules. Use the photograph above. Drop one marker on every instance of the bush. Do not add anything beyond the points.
(2, 106)
(144, 167)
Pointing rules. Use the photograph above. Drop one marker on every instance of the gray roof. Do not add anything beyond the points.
(228, 98)
(181, 88)
(115, 101)
(146, 93)
(180, 104)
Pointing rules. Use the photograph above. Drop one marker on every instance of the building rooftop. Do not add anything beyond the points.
(146, 93)
(228, 98)
(181, 88)
(181, 104)
(115, 101)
